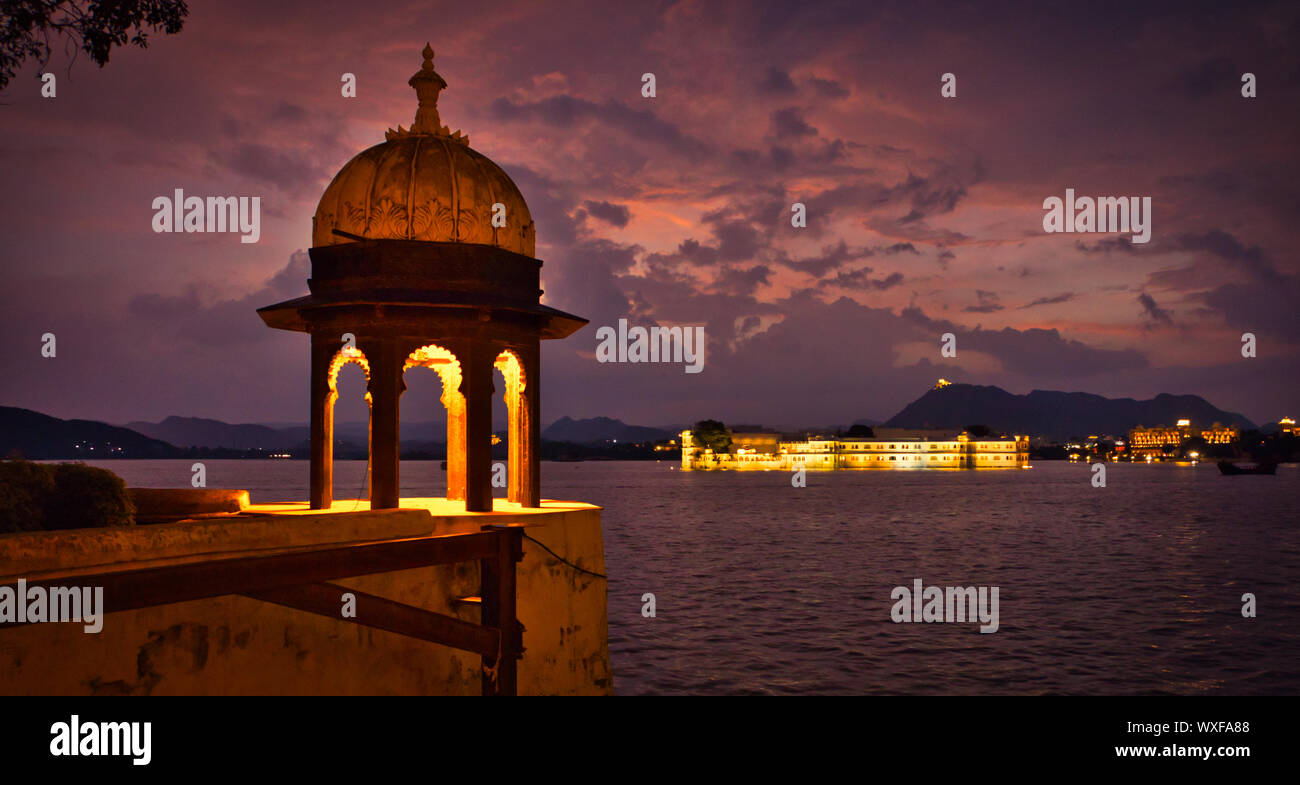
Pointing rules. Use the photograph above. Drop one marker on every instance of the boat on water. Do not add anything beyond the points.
(1231, 469)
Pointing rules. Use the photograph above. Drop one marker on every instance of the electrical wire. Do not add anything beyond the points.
(364, 474)
(563, 560)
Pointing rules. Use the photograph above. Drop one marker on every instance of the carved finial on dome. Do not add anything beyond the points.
(427, 84)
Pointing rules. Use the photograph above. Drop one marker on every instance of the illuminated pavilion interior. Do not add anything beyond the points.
(423, 255)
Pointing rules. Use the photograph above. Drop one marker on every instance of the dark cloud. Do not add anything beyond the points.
(988, 303)
(861, 279)
(1260, 305)
(776, 81)
(782, 157)
(736, 280)
(615, 214)
(830, 258)
(1036, 351)
(1057, 299)
(1153, 312)
(285, 112)
(190, 317)
(568, 112)
(1107, 245)
(290, 172)
(789, 123)
(1225, 246)
(737, 240)
(828, 88)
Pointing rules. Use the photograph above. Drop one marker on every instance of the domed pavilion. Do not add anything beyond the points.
(423, 255)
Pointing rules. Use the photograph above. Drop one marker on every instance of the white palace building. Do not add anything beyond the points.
(888, 450)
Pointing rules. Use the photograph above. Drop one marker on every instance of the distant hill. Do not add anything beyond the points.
(1055, 415)
(350, 438)
(41, 437)
(600, 429)
(200, 432)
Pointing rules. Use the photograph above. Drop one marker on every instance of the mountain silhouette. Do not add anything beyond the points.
(600, 429)
(41, 437)
(1055, 415)
(201, 432)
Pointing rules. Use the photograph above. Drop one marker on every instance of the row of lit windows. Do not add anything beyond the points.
(926, 457)
(756, 458)
(927, 447)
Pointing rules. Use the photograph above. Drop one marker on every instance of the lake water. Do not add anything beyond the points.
(760, 587)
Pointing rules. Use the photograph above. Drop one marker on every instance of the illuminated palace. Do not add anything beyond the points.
(1164, 440)
(907, 450)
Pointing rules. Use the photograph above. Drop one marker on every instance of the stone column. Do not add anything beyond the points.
(454, 404)
(512, 372)
(514, 442)
(529, 455)
(476, 362)
(321, 472)
(386, 387)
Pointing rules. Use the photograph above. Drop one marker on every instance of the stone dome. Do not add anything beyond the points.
(423, 183)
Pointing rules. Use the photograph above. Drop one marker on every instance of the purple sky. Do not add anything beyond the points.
(924, 213)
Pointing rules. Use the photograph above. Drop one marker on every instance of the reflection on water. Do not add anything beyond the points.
(765, 588)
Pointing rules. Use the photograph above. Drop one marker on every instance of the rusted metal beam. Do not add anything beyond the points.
(325, 599)
(497, 578)
(128, 589)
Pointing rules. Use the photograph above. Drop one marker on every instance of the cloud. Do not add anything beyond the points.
(1259, 305)
(1046, 354)
(736, 280)
(828, 88)
(830, 258)
(568, 112)
(737, 240)
(1153, 312)
(1054, 300)
(776, 81)
(615, 214)
(789, 123)
(1225, 246)
(988, 303)
(860, 279)
(1107, 245)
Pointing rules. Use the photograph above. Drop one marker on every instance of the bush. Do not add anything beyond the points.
(25, 490)
(35, 497)
(86, 497)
